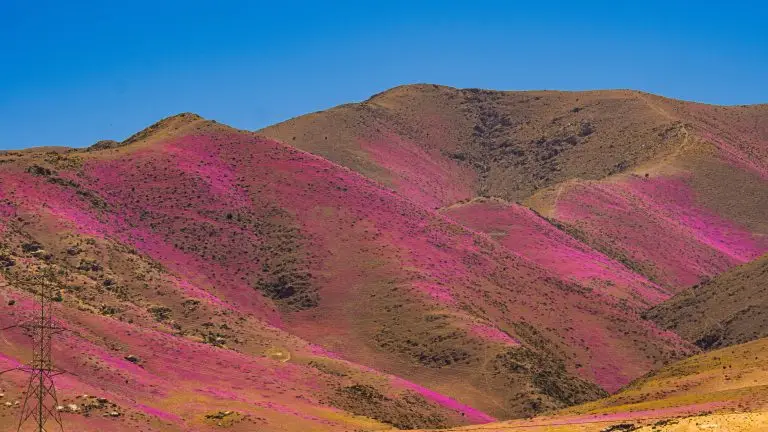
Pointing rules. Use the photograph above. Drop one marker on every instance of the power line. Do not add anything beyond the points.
(41, 405)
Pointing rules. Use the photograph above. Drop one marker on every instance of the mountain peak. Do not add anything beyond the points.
(164, 127)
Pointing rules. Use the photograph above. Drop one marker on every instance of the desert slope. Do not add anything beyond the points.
(199, 242)
(617, 169)
(685, 217)
(502, 144)
(723, 389)
(528, 234)
(732, 308)
(439, 258)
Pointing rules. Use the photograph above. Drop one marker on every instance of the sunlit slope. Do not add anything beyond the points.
(220, 247)
(543, 241)
(438, 144)
(575, 157)
(687, 216)
(656, 225)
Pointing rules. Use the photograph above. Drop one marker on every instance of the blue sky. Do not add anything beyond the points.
(73, 72)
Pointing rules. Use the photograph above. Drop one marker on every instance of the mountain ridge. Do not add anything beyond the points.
(434, 166)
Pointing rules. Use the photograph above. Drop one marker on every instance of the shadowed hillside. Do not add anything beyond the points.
(732, 308)
(720, 390)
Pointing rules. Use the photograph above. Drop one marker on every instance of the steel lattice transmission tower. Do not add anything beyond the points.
(40, 402)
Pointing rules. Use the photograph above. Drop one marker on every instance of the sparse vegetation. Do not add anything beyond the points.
(161, 313)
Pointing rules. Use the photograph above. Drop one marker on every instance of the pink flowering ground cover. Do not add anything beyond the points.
(661, 227)
(229, 216)
(426, 178)
(171, 371)
(523, 232)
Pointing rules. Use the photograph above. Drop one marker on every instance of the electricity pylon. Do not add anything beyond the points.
(40, 401)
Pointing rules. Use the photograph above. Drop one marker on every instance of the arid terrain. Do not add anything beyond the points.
(430, 258)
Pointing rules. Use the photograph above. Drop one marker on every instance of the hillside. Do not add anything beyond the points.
(730, 309)
(429, 258)
(617, 169)
(235, 252)
(525, 233)
(723, 390)
(428, 140)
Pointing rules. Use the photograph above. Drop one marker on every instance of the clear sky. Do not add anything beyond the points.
(73, 72)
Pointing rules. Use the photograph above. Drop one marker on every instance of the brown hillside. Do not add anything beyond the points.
(514, 142)
(721, 390)
(617, 169)
(730, 309)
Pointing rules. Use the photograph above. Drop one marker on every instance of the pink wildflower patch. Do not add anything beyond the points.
(493, 334)
(473, 415)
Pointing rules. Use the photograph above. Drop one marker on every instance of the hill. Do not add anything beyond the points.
(445, 257)
(723, 389)
(617, 169)
(491, 143)
(732, 308)
(214, 253)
